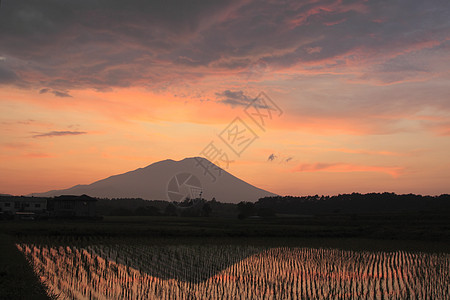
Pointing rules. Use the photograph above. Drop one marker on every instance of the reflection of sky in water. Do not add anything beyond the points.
(184, 263)
(233, 272)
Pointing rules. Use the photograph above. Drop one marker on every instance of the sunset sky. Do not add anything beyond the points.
(90, 89)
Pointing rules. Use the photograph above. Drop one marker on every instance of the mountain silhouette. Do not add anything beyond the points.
(170, 180)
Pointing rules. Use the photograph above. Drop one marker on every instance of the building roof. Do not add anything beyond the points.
(21, 198)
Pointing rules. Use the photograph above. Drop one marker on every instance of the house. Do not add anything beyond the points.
(14, 204)
(7, 205)
(18, 206)
(72, 206)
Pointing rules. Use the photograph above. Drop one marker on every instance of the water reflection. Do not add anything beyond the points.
(237, 272)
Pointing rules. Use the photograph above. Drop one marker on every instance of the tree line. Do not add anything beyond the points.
(354, 203)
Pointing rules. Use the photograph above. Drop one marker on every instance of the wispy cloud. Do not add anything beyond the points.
(271, 157)
(346, 167)
(16, 146)
(61, 94)
(239, 98)
(37, 155)
(441, 128)
(58, 133)
(7, 75)
(368, 152)
(234, 98)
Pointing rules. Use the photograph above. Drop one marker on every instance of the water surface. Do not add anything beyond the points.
(237, 272)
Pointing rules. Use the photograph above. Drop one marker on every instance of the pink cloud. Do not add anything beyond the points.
(331, 23)
(321, 10)
(369, 152)
(346, 167)
(37, 155)
(439, 128)
(312, 50)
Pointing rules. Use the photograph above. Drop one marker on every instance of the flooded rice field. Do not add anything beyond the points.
(237, 272)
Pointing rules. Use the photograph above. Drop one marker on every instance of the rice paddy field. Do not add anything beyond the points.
(326, 257)
(235, 271)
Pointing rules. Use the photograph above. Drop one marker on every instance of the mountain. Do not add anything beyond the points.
(170, 180)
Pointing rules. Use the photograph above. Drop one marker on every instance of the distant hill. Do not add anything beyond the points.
(171, 180)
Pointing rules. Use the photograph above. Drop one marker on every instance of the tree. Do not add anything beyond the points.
(147, 211)
(266, 212)
(170, 210)
(121, 211)
(206, 210)
(246, 209)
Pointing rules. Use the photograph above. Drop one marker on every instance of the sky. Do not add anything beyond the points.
(354, 95)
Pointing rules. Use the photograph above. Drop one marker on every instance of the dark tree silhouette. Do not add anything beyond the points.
(246, 209)
(206, 209)
(170, 210)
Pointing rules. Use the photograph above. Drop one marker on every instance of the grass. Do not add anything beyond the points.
(17, 279)
(389, 227)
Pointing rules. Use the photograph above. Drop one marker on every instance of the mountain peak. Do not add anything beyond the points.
(186, 159)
